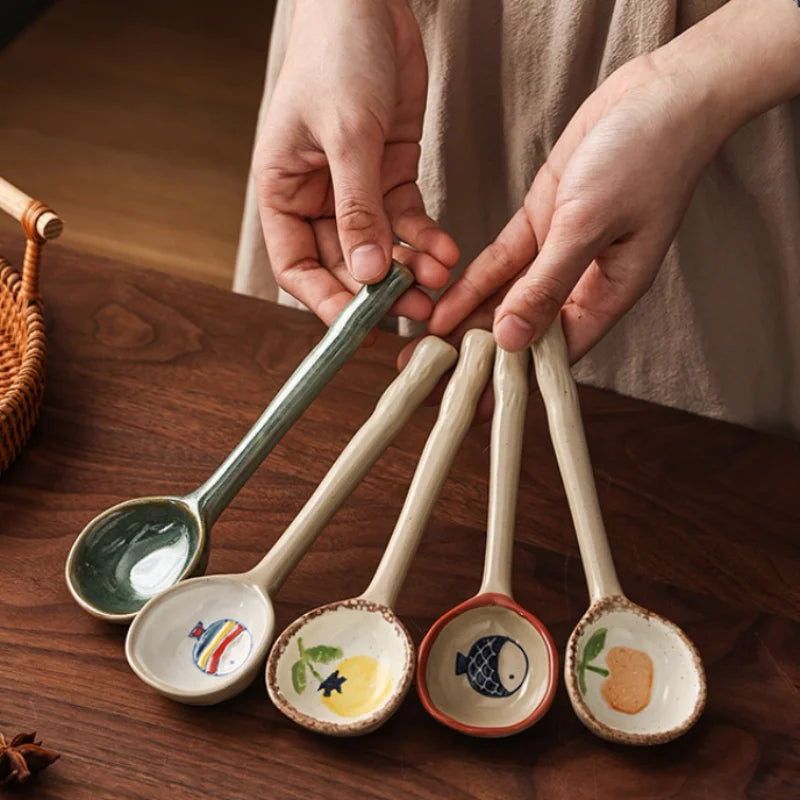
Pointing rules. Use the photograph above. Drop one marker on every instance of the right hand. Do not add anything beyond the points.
(336, 162)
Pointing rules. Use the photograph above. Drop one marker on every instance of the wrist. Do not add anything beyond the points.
(738, 62)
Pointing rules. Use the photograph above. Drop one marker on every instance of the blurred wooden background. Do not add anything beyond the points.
(135, 121)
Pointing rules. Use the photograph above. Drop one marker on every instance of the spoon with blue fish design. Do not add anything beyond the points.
(488, 667)
(138, 548)
(344, 668)
(632, 676)
(204, 639)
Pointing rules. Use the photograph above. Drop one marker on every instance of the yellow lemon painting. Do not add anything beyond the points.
(358, 685)
(363, 685)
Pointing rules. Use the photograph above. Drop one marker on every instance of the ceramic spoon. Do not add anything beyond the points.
(203, 640)
(488, 667)
(136, 549)
(632, 676)
(343, 669)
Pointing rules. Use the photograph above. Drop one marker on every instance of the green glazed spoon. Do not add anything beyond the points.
(137, 549)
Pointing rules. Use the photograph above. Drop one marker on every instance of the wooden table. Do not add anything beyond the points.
(153, 379)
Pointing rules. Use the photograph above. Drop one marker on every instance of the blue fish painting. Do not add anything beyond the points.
(495, 666)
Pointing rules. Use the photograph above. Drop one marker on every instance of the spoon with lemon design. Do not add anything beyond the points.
(343, 669)
(632, 676)
(204, 640)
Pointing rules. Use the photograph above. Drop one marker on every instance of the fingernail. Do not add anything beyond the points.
(367, 263)
(513, 332)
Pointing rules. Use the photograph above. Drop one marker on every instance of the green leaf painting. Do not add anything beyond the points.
(299, 676)
(323, 654)
(593, 648)
(319, 654)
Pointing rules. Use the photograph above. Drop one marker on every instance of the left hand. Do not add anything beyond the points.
(599, 216)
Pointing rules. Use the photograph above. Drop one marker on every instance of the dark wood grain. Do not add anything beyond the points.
(153, 379)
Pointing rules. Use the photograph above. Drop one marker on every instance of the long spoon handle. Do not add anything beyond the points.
(343, 338)
(560, 397)
(508, 427)
(431, 359)
(455, 415)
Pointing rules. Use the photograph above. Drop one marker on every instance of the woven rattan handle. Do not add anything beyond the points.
(39, 223)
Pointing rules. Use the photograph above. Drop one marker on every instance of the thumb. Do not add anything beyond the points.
(537, 296)
(364, 230)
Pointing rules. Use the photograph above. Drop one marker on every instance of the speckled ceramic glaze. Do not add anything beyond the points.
(135, 550)
(344, 668)
(204, 640)
(677, 690)
(489, 667)
(632, 676)
(323, 692)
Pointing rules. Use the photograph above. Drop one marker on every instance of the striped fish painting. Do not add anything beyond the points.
(222, 647)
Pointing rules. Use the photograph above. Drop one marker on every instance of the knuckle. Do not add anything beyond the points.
(355, 214)
(469, 288)
(268, 180)
(574, 217)
(282, 279)
(290, 276)
(543, 295)
(500, 259)
(349, 129)
(579, 221)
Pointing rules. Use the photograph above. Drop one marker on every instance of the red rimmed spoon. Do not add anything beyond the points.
(488, 667)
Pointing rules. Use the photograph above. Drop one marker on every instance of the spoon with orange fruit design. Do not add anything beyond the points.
(632, 676)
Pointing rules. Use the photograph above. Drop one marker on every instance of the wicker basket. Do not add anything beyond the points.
(22, 332)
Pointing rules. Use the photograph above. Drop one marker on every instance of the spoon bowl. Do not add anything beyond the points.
(633, 676)
(487, 667)
(133, 551)
(373, 656)
(343, 668)
(203, 640)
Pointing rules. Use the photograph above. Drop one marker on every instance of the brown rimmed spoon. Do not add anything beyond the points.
(632, 676)
(344, 668)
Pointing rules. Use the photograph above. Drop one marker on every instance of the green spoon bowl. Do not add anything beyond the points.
(137, 549)
(133, 551)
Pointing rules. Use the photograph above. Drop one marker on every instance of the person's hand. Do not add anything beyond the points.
(336, 162)
(598, 218)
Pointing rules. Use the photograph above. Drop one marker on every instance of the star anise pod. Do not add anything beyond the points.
(22, 757)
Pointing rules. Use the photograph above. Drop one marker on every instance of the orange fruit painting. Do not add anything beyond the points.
(628, 673)
(630, 680)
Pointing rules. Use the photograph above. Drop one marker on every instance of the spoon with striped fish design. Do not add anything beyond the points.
(136, 549)
(204, 640)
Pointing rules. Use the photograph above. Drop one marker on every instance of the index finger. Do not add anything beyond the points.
(292, 250)
(513, 249)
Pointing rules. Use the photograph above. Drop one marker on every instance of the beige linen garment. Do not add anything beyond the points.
(719, 332)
